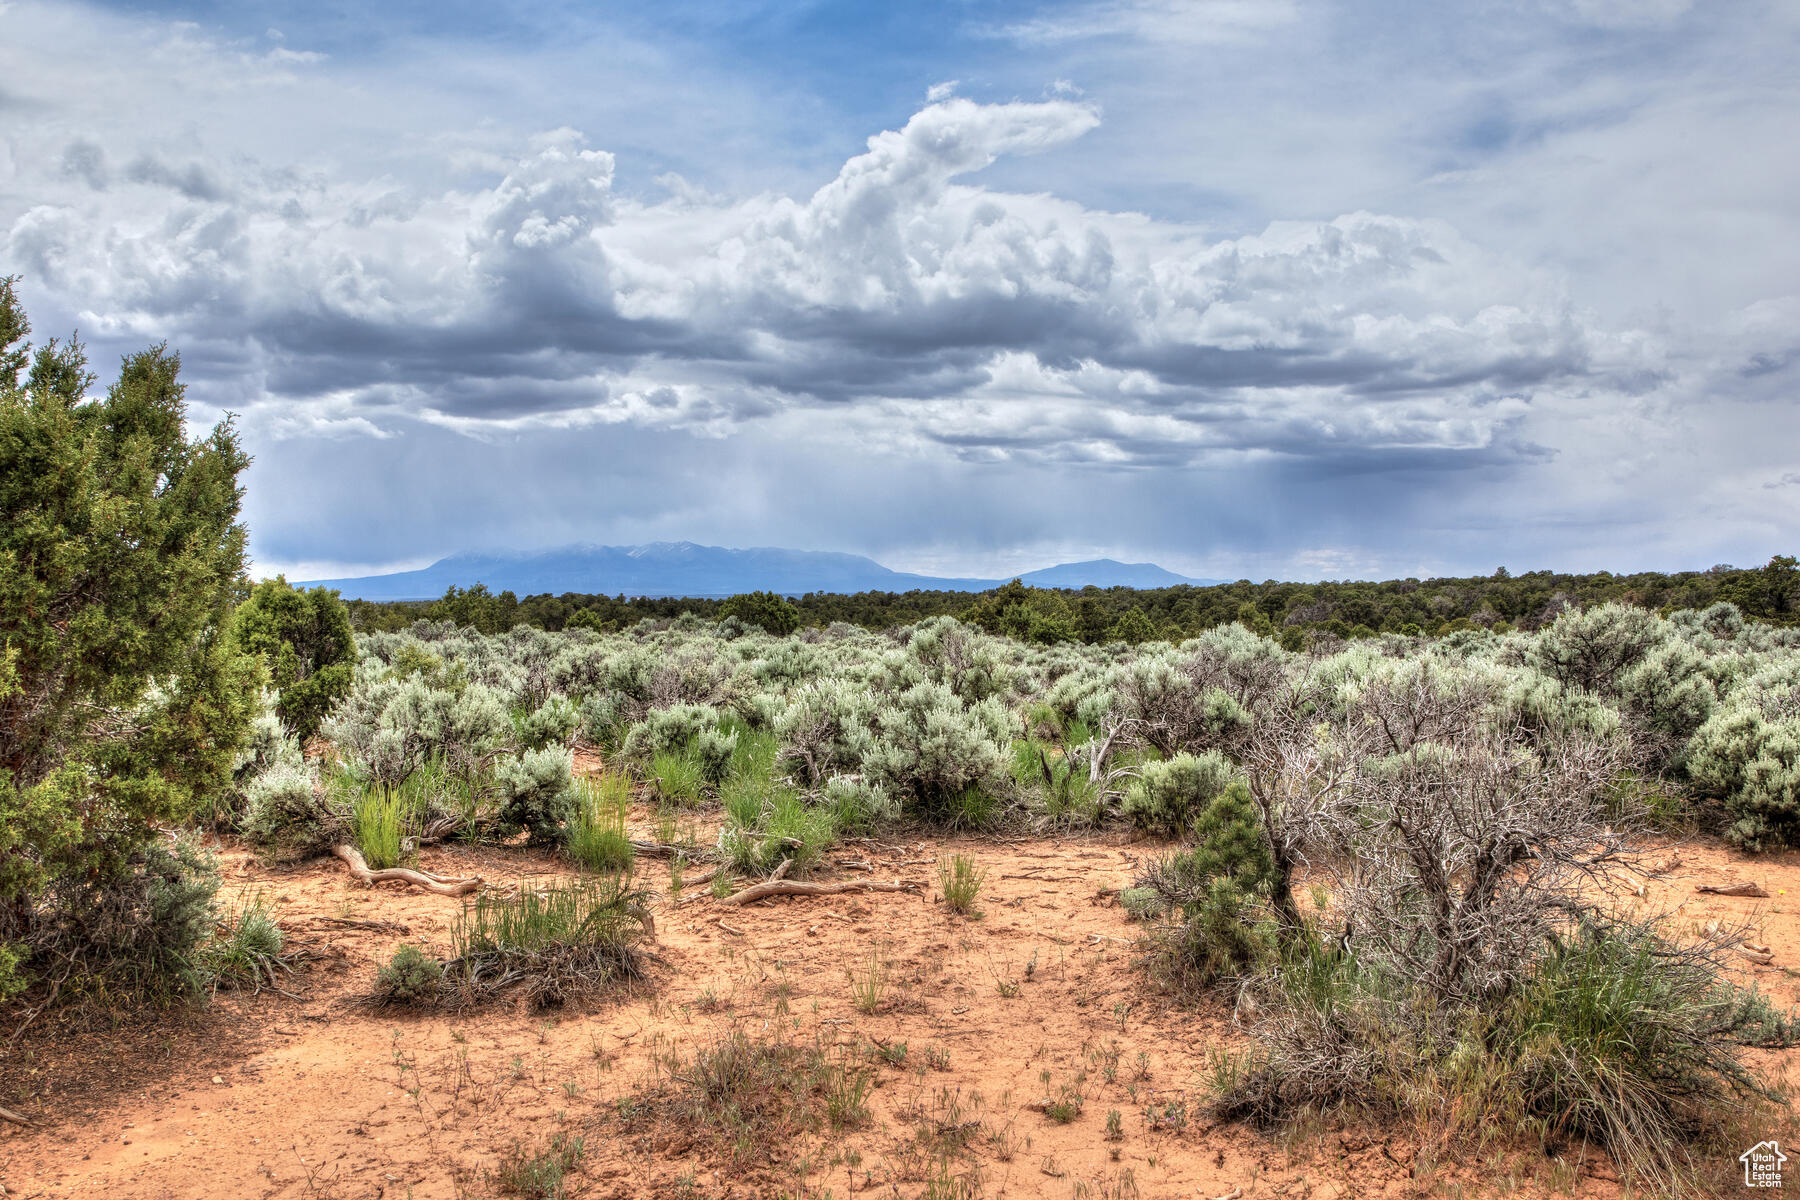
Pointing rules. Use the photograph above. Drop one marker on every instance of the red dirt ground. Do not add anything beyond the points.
(318, 1094)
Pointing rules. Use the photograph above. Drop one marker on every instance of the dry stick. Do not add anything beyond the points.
(7, 1114)
(662, 849)
(352, 923)
(645, 918)
(793, 887)
(359, 867)
(1742, 887)
(697, 880)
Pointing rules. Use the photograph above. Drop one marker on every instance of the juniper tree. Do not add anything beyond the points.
(120, 555)
(306, 639)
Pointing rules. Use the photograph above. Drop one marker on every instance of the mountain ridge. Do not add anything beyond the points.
(687, 569)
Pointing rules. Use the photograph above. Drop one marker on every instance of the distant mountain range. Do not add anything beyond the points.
(684, 569)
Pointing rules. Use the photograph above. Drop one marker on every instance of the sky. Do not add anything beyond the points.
(1247, 288)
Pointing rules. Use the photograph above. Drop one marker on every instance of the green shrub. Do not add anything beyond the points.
(1747, 754)
(123, 702)
(943, 760)
(824, 731)
(138, 933)
(1669, 691)
(1168, 797)
(1767, 809)
(1174, 699)
(1593, 649)
(692, 729)
(945, 653)
(1216, 890)
(1616, 1035)
(410, 977)
(1225, 932)
(552, 723)
(1621, 1038)
(285, 816)
(1133, 628)
(603, 720)
(766, 610)
(1143, 903)
(267, 744)
(537, 791)
(856, 807)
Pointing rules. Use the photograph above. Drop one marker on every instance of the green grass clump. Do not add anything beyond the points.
(1617, 1037)
(753, 757)
(743, 799)
(595, 834)
(1060, 784)
(552, 940)
(961, 882)
(868, 985)
(437, 790)
(784, 826)
(677, 776)
(246, 949)
(541, 1176)
(767, 820)
(377, 825)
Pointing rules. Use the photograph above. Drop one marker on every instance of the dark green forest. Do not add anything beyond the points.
(1290, 611)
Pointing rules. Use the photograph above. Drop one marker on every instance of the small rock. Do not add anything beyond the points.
(218, 1079)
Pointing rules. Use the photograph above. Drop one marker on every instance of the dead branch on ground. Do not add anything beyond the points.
(440, 885)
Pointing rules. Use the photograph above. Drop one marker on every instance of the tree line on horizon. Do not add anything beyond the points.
(1294, 613)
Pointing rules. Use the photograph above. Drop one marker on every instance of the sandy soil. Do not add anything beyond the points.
(317, 1094)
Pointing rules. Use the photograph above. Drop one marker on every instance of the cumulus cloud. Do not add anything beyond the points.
(993, 324)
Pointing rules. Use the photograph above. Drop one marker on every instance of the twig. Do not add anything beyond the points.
(7, 1114)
